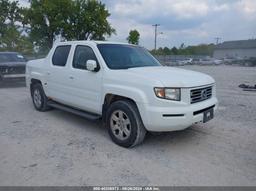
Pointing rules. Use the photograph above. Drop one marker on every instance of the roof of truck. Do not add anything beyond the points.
(109, 42)
(91, 41)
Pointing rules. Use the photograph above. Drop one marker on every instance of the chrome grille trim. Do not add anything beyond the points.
(200, 94)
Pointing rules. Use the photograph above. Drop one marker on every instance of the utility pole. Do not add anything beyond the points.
(217, 40)
(155, 25)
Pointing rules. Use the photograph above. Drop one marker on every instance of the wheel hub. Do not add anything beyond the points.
(37, 98)
(120, 125)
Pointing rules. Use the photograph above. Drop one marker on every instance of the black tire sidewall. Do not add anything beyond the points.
(119, 105)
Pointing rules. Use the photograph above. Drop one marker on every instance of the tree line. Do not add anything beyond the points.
(34, 28)
(202, 49)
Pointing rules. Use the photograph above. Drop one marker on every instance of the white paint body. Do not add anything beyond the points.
(86, 90)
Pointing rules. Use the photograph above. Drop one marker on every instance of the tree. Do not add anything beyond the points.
(134, 37)
(4, 6)
(166, 51)
(9, 14)
(89, 21)
(201, 49)
(11, 37)
(72, 20)
(45, 20)
(174, 50)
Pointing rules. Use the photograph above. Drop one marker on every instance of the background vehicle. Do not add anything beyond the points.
(195, 60)
(209, 61)
(12, 65)
(122, 84)
(185, 61)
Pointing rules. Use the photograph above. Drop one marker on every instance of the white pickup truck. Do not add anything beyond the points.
(122, 84)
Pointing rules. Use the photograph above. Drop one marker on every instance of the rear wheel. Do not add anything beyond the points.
(39, 98)
(124, 124)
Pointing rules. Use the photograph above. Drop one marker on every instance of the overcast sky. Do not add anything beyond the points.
(182, 21)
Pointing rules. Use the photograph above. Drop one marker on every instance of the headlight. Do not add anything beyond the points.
(168, 93)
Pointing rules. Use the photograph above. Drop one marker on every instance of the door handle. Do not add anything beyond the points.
(71, 77)
(48, 73)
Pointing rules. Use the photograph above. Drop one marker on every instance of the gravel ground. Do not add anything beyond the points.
(58, 148)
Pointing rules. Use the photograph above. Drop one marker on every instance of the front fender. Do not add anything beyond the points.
(137, 95)
(133, 93)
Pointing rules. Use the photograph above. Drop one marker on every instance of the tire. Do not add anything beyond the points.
(39, 98)
(124, 124)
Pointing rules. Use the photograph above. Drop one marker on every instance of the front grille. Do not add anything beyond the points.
(17, 70)
(3, 69)
(201, 94)
(12, 70)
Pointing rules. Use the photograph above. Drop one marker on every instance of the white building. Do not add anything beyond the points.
(234, 49)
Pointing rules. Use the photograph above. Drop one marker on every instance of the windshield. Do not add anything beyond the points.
(11, 57)
(119, 56)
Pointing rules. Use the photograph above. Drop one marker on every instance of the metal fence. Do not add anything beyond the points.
(172, 59)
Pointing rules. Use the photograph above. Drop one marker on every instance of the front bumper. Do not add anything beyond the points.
(7, 76)
(162, 119)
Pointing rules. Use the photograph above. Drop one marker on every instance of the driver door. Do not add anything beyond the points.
(85, 86)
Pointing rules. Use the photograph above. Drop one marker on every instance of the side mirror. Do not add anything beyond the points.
(91, 65)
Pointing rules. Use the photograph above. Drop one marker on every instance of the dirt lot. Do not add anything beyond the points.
(58, 148)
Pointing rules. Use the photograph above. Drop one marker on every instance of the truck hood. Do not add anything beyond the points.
(173, 77)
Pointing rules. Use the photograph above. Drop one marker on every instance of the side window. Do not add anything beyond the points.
(82, 55)
(60, 55)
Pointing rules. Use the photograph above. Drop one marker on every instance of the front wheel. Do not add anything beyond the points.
(39, 98)
(124, 124)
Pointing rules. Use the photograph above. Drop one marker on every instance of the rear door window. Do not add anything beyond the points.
(60, 55)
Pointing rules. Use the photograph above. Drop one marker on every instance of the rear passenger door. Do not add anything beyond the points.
(85, 86)
(57, 75)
